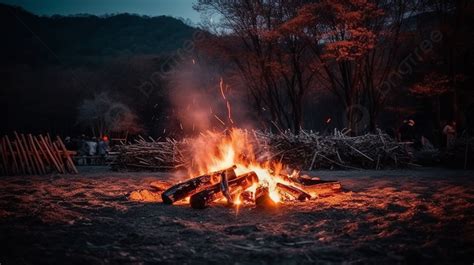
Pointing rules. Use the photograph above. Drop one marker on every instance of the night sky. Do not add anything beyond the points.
(175, 8)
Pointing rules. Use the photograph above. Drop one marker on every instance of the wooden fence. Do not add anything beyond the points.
(34, 155)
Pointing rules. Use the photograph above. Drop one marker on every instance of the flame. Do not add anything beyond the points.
(238, 202)
(213, 152)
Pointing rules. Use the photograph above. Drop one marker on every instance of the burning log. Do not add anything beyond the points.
(225, 176)
(202, 199)
(309, 181)
(293, 192)
(312, 185)
(318, 186)
(247, 196)
(263, 199)
(185, 189)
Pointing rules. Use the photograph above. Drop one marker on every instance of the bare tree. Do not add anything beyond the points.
(103, 115)
(272, 62)
(355, 46)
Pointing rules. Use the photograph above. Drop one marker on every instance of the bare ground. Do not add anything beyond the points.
(419, 216)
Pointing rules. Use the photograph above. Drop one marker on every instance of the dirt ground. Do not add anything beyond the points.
(423, 216)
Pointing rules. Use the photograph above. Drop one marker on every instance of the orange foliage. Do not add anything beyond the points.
(432, 85)
(341, 25)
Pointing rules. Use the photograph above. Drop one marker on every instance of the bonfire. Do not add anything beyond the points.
(228, 171)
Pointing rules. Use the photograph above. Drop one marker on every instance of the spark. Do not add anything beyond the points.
(221, 85)
(237, 204)
(229, 112)
(223, 123)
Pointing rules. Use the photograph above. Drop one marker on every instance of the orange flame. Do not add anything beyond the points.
(213, 152)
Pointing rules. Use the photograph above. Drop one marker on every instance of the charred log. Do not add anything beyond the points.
(185, 189)
(293, 192)
(318, 186)
(225, 176)
(263, 199)
(203, 198)
(247, 197)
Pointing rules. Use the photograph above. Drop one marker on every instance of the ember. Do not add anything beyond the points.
(228, 170)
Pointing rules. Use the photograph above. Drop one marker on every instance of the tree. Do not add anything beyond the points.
(355, 45)
(453, 18)
(271, 61)
(103, 115)
(380, 64)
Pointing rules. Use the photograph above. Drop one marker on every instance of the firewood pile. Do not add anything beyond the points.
(234, 190)
(152, 155)
(313, 151)
(34, 155)
(306, 151)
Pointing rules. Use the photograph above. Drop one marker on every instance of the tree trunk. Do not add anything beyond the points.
(298, 115)
(437, 137)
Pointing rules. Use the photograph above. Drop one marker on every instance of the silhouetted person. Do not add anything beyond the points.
(68, 143)
(103, 148)
(83, 149)
(449, 133)
(407, 131)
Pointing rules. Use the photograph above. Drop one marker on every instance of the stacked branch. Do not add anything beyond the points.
(312, 151)
(152, 155)
(34, 155)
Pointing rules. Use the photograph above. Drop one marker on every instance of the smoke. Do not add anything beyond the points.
(204, 104)
(210, 107)
(202, 99)
(189, 98)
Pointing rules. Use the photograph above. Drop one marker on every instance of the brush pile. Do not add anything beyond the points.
(153, 155)
(305, 151)
(312, 151)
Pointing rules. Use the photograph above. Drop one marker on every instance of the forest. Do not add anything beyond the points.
(314, 65)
